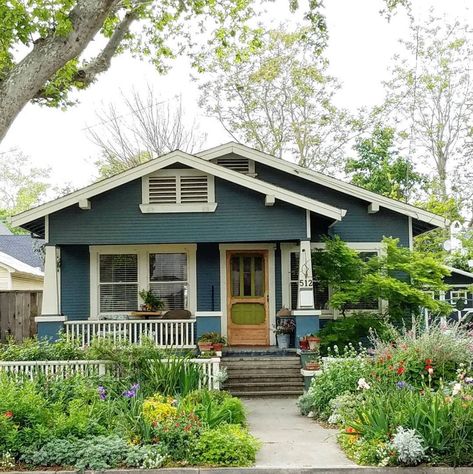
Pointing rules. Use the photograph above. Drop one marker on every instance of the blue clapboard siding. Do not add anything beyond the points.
(208, 277)
(75, 281)
(357, 225)
(115, 218)
(277, 268)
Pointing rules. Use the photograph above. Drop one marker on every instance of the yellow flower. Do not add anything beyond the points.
(158, 408)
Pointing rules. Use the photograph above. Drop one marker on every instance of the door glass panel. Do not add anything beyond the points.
(259, 276)
(235, 275)
(247, 261)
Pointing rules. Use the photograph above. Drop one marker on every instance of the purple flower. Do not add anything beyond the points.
(131, 393)
(102, 392)
(401, 384)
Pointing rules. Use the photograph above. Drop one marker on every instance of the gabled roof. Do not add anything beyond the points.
(15, 266)
(22, 247)
(324, 180)
(167, 160)
(459, 271)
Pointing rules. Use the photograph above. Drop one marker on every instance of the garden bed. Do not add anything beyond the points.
(410, 402)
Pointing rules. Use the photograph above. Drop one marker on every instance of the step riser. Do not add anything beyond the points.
(264, 378)
(271, 388)
(274, 394)
(261, 365)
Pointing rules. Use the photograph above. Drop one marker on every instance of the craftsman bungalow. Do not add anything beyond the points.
(226, 234)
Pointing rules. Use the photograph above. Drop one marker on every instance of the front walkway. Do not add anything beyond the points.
(289, 439)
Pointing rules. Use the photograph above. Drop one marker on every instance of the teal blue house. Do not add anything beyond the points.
(226, 234)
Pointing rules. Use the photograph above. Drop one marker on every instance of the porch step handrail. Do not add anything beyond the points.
(177, 333)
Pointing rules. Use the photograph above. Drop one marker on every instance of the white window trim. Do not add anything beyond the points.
(271, 290)
(289, 247)
(209, 206)
(143, 252)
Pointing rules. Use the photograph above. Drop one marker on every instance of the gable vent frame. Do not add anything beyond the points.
(178, 190)
(240, 164)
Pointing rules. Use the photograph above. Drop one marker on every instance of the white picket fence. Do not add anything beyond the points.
(65, 368)
(177, 333)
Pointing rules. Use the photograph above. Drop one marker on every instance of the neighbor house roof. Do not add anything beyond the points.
(460, 272)
(189, 160)
(15, 266)
(4, 230)
(22, 248)
(324, 180)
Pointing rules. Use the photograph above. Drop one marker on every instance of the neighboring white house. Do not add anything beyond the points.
(21, 265)
(16, 275)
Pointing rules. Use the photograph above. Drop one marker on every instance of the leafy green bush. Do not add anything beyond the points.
(340, 377)
(353, 329)
(226, 445)
(214, 408)
(98, 453)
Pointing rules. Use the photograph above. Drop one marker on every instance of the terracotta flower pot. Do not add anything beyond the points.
(312, 366)
(313, 342)
(217, 346)
(205, 346)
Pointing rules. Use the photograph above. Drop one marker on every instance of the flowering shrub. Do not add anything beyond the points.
(158, 408)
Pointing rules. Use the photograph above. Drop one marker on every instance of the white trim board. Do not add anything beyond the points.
(324, 180)
(186, 159)
(271, 248)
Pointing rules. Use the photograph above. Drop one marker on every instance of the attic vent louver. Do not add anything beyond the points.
(178, 189)
(242, 165)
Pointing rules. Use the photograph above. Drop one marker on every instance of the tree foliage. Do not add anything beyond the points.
(146, 128)
(43, 42)
(399, 276)
(380, 168)
(280, 99)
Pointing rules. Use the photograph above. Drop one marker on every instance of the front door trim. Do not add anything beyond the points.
(270, 248)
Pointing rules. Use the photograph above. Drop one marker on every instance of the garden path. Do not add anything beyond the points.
(289, 439)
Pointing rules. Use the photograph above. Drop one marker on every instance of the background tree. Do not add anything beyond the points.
(430, 95)
(42, 42)
(22, 185)
(146, 128)
(280, 99)
(380, 168)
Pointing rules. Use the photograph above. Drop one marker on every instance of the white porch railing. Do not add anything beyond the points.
(177, 333)
(64, 368)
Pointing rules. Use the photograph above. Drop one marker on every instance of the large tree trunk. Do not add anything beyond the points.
(48, 55)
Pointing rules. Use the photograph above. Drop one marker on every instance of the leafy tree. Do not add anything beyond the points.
(21, 185)
(381, 169)
(146, 129)
(399, 276)
(42, 42)
(280, 99)
(430, 94)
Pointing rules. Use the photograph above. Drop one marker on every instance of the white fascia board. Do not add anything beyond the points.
(192, 161)
(460, 271)
(323, 180)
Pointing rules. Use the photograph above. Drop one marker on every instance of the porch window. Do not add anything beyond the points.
(168, 279)
(118, 283)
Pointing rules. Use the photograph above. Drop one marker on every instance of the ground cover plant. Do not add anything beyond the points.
(147, 413)
(405, 402)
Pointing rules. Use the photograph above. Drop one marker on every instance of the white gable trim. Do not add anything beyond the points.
(167, 160)
(324, 180)
(460, 272)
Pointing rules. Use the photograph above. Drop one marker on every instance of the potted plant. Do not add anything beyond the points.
(218, 342)
(205, 342)
(314, 341)
(283, 332)
(313, 363)
(151, 302)
(303, 343)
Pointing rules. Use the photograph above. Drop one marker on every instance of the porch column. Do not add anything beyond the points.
(307, 318)
(51, 321)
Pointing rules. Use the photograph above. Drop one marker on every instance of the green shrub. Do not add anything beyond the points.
(340, 377)
(226, 445)
(214, 408)
(98, 453)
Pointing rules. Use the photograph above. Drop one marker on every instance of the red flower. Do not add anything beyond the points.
(428, 361)
(400, 370)
(8, 414)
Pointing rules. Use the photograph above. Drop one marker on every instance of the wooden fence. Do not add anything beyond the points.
(17, 312)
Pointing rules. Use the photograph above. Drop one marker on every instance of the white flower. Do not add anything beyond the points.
(310, 414)
(363, 384)
(457, 388)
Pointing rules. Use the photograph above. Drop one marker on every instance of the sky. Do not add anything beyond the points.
(361, 46)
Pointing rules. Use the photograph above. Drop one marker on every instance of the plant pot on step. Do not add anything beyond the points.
(312, 366)
(204, 346)
(283, 340)
(314, 342)
(217, 346)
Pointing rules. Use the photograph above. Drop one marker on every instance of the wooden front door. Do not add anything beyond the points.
(247, 298)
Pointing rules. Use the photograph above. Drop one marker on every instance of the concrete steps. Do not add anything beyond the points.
(263, 376)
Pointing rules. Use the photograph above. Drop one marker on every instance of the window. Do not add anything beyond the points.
(372, 304)
(240, 164)
(456, 295)
(168, 278)
(118, 283)
(178, 190)
(119, 272)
